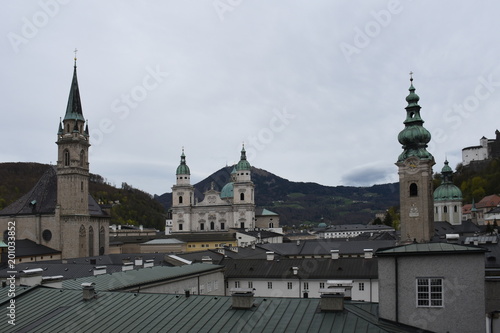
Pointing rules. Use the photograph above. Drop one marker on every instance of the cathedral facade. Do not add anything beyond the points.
(232, 207)
(59, 212)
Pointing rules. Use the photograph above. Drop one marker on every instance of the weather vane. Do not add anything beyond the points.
(75, 55)
(411, 76)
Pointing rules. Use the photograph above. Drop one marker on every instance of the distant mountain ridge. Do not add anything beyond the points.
(299, 202)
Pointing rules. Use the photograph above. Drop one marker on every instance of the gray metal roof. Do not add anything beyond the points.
(429, 248)
(51, 310)
(132, 278)
(342, 268)
(323, 246)
(42, 198)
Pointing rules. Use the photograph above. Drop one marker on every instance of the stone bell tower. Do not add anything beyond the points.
(415, 175)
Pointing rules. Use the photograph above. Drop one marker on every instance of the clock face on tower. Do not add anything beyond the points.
(411, 164)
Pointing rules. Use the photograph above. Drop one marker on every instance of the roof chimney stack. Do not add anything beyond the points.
(270, 255)
(242, 298)
(88, 291)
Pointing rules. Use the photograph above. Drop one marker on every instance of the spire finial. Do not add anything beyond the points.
(411, 76)
(75, 51)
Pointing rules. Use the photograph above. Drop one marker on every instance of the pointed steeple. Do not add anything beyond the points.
(74, 108)
(86, 133)
(60, 131)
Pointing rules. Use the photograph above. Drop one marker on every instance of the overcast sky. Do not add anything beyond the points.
(315, 89)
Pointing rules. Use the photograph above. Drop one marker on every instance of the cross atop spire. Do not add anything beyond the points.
(411, 76)
(75, 51)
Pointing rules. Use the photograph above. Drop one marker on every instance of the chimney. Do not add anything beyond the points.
(242, 298)
(53, 281)
(149, 263)
(127, 266)
(295, 270)
(98, 270)
(88, 291)
(335, 254)
(332, 299)
(253, 246)
(368, 253)
(138, 261)
(270, 256)
(298, 242)
(206, 260)
(31, 277)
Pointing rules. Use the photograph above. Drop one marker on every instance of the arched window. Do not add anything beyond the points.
(222, 226)
(202, 226)
(66, 157)
(436, 210)
(212, 225)
(91, 241)
(102, 241)
(271, 225)
(455, 209)
(180, 199)
(82, 158)
(242, 196)
(81, 243)
(67, 128)
(445, 209)
(413, 190)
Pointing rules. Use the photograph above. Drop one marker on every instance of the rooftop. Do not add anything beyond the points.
(42, 309)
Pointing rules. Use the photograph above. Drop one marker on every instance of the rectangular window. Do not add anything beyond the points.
(361, 286)
(429, 292)
(250, 284)
(180, 226)
(236, 284)
(269, 285)
(306, 285)
(289, 284)
(322, 285)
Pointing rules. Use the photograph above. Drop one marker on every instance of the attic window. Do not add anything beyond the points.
(413, 190)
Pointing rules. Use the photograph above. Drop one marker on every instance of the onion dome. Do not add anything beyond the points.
(243, 164)
(447, 190)
(414, 137)
(183, 169)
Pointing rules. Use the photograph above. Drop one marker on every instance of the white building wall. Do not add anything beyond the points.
(280, 288)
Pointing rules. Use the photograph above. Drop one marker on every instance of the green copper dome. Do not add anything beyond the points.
(447, 190)
(227, 191)
(183, 169)
(414, 137)
(243, 164)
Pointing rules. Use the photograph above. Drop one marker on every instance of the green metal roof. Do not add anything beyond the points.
(447, 190)
(74, 108)
(268, 213)
(227, 191)
(183, 169)
(429, 248)
(131, 278)
(243, 164)
(52, 310)
(414, 137)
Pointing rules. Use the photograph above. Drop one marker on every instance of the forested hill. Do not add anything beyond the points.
(307, 203)
(128, 205)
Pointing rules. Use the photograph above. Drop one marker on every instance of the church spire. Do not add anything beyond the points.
(74, 108)
(414, 137)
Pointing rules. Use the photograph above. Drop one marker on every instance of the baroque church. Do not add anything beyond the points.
(232, 207)
(58, 212)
